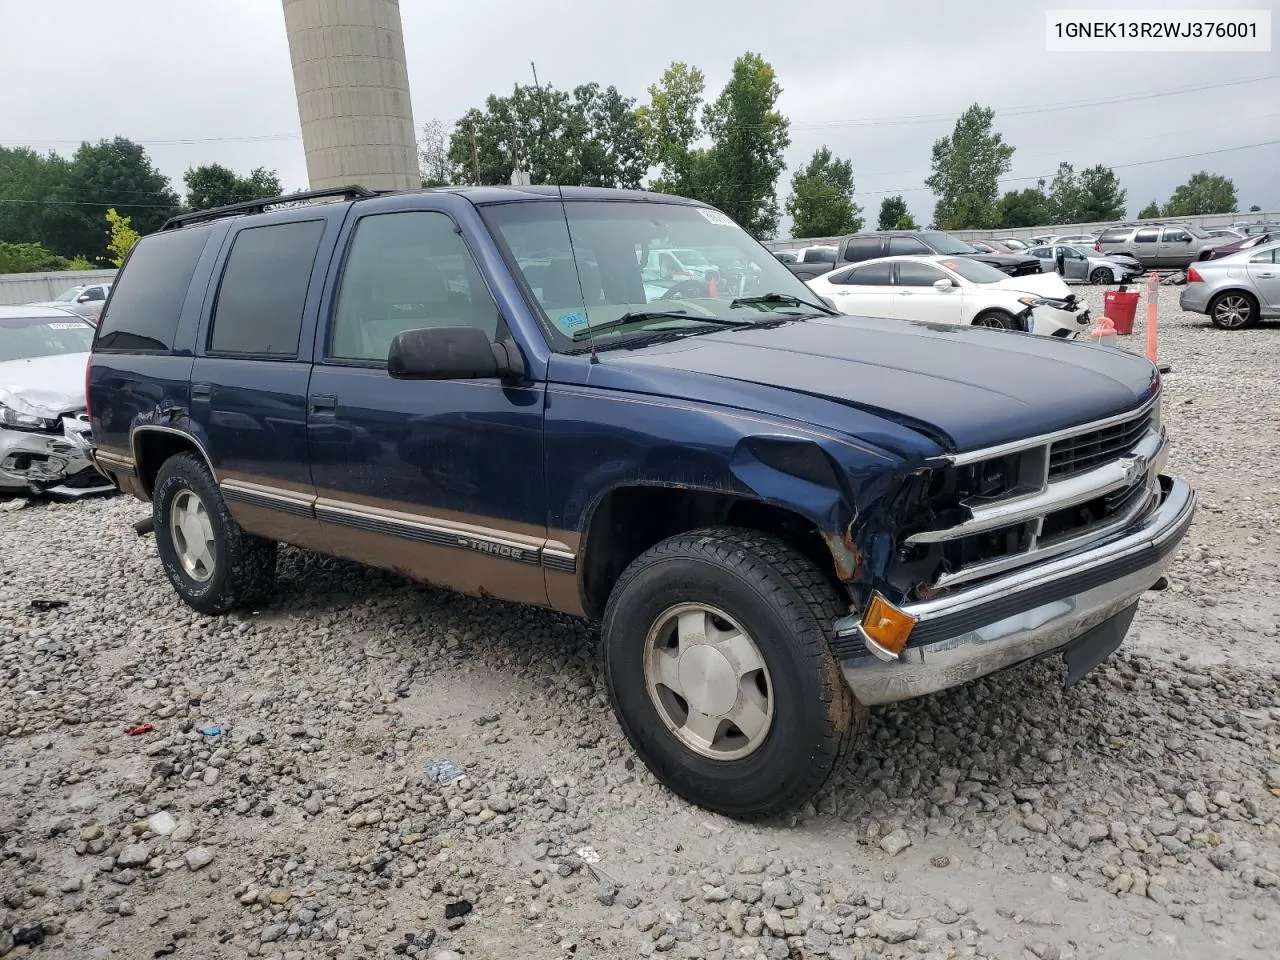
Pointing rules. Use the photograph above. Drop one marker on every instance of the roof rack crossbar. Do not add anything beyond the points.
(350, 192)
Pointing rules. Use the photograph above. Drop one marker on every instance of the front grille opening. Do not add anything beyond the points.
(983, 547)
(1075, 520)
(1088, 450)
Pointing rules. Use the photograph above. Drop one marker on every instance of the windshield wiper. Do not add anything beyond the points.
(642, 316)
(782, 298)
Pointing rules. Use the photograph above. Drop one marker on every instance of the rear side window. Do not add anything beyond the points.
(264, 289)
(872, 275)
(862, 248)
(1147, 235)
(147, 297)
(820, 255)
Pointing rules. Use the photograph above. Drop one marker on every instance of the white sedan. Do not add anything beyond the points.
(948, 289)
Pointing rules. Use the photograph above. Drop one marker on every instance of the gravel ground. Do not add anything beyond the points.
(1137, 815)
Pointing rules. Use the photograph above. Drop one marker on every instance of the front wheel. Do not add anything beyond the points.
(1100, 276)
(717, 660)
(1233, 311)
(996, 319)
(213, 564)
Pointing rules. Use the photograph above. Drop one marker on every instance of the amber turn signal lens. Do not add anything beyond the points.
(886, 626)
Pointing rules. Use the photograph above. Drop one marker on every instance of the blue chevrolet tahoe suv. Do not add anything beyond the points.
(778, 515)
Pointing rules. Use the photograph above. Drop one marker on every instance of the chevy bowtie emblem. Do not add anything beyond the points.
(1133, 468)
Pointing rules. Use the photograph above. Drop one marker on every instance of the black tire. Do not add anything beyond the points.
(996, 319)
(1100, 276)
(787, 606)
(244, 565)
(1233, 310)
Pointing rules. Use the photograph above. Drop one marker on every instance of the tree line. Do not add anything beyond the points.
(58, 212)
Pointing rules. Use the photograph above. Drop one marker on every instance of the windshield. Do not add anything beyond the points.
(68, 295)
(945, 243)
(974, 271)
(22, 338)
(588, 263)
(1195, 232)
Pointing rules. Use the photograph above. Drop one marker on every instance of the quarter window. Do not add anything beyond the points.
(150, 291)
(407, 271)
(264, 289)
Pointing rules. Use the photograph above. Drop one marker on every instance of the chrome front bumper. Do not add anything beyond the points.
(1036, 611)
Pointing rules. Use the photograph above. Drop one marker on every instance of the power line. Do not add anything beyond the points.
(1017, 111)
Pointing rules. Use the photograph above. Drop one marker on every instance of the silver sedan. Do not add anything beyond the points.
(1235, 291)
(1076, 263)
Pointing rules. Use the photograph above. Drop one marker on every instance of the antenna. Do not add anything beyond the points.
(573, 255)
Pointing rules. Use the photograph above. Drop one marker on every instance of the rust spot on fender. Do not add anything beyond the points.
(847, 557)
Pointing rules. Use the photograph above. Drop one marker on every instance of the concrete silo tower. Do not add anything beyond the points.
(352, 84)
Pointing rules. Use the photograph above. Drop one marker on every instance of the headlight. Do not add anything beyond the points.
(10, 417)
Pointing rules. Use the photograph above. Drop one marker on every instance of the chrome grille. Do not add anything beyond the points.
(1049, 495)
(1088, 450)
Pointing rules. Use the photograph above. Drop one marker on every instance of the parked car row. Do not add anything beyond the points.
(85, 300)
(780, 515)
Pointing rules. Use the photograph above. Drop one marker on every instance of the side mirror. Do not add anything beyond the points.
(943, 285)
(451, 353)
(83, 298)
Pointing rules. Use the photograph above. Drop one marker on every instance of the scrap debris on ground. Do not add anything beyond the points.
(371, 768)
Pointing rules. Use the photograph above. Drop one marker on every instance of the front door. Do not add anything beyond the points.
(917, 298)
(1074, 264)
(1264, 271)
(441, 480)
(1175, 247)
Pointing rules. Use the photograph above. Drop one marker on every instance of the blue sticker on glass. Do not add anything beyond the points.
(571, 321)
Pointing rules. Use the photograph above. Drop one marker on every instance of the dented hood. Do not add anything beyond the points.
(1040, 284)
(44, 386)
(964, 387)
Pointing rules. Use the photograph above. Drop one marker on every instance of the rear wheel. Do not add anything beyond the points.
(1101, 275)
(717, 660)
(996, 319)
(213, 564)
(1233, 311)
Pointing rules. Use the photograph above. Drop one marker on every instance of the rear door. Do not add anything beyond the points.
(864, 291)
(249, 379)
(1264, 271)
(439, 479)
(1146, 246)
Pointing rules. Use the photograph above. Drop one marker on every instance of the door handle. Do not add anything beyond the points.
(322, 403)
(1266, 274)
(904, 293)
(201, 391)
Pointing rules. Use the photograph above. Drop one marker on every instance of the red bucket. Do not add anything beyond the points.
(1121, 308)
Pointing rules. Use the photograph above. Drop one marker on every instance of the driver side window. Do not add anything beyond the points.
(406, 271)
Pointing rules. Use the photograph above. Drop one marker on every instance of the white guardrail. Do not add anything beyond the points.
(34, 287)
(1061, 229)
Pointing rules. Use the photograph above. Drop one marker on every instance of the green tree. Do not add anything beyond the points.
(748, 137)
(590, 137)
(111, 173)
(1150, 212)
(214, 185)
(123, 237)
(967, 167)
(1204, 193)
(1066, 196)
(906, 222)
(892, 210)
(1102, 197)
(821, 202)
(670, 126)
(29, 258)
(1024, 208)
(28, 181)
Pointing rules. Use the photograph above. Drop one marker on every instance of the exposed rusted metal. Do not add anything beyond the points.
(845, 554)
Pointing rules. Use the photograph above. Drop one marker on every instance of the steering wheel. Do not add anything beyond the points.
(686, 289)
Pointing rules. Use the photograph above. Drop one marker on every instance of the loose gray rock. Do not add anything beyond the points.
(895, 843)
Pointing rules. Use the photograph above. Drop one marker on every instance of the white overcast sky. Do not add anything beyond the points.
(216, 74)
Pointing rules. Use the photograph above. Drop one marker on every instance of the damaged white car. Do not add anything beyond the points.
(44, 431)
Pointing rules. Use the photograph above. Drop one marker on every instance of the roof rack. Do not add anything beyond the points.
(351, 192)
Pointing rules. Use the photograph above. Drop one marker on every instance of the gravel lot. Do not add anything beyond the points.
(1137, 815)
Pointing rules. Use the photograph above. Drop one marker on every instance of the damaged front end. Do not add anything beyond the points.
(42, 452)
